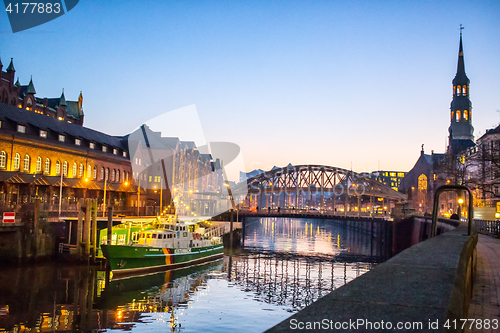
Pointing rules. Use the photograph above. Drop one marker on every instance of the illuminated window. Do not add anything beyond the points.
(3, 159)
(17, 161)
(43, 134)
(422, 182)
(62, 138)
(38, 164)
(452, 115)
(58, 167)
(74, 169)
(118, 175)
(458, 90)
(47, 166)
(150, 179)
(124, 154)
(89, 171)
(463, 90)
(104, 148)
(115, 151)
(78, 142)
(80, 171)
(95, 171)
(65, 168)
(401, 174)
(393, 174)
(107, 173)
(113, 175)
(21, 129)
(102, 173)
(458, 115)
(465, 115)
(91, 145)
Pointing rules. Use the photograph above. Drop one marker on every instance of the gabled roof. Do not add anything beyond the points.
(40, 121)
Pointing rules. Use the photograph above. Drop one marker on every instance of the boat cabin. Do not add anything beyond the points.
(172, 236)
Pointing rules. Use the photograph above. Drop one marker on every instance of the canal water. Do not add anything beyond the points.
(284, 265)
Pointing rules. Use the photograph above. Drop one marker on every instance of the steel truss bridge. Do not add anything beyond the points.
(319, 188)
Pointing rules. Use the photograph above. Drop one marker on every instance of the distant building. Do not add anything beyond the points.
(389, 178)
(24, 97)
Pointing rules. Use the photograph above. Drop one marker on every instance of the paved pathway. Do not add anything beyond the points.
(486, 295)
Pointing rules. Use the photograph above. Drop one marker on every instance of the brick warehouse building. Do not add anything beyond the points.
(40, 138)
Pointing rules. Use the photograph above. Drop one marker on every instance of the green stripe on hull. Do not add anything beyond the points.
(124, 258)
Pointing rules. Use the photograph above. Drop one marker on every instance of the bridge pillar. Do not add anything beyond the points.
(372, 203)
(333, 200)
(359, 205)
(297, 195)
(322, 198)
(346, 200)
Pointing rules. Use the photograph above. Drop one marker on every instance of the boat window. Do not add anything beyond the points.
(154, 235)
(177, 228)
(149, 235)
(142, 235)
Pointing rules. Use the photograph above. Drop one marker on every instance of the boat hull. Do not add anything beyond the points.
(125, 259)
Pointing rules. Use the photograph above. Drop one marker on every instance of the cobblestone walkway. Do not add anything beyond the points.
(486, 295)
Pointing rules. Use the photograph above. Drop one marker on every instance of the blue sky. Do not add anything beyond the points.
(301, 82)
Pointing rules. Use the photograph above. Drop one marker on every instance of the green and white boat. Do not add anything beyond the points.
(170, 245)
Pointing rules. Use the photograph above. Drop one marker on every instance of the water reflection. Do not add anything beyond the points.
(286, 265)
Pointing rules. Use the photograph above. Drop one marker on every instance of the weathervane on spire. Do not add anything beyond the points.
(461, 28)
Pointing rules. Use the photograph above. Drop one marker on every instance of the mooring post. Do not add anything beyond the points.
(79, 227)
(35, 228)
(243, 231)
(94, 230)
(110, 224)
(86, 231)
(231, 229)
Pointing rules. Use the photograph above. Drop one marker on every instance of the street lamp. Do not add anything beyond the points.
(460, 202)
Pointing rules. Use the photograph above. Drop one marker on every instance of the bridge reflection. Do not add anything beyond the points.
(289, 280)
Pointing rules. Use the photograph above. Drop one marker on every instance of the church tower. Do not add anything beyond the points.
(461, 130)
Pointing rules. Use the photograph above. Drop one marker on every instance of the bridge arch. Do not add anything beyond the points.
(318, 187)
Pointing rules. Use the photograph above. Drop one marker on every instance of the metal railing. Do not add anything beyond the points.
(216, 231)
(488, 227)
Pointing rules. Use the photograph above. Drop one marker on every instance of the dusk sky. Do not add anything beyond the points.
(301, 82)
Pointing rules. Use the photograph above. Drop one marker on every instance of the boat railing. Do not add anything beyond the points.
(215, 231)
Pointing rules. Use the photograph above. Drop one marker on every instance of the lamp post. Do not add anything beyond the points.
(104, 202)
(161, 196)
(60, 191)
(460, 202)
(138, 196)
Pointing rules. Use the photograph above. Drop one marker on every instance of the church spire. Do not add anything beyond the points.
(461, 129)
(461, 65)
(461, 78)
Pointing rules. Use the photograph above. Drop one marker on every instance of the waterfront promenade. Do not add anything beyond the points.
(485, 302)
